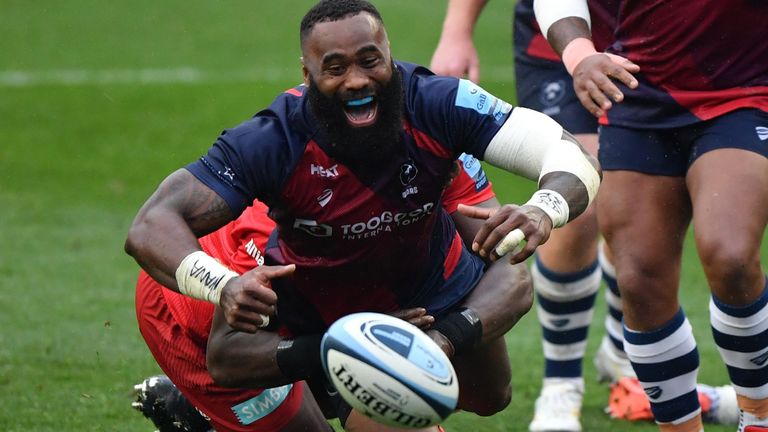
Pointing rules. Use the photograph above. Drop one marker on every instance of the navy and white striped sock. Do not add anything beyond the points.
(741, 335)
(614, 328)
(666, 362)
(566, 304)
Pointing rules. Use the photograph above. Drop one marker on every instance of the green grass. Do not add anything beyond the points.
(89, 127)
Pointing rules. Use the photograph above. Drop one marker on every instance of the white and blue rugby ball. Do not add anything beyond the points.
(389, 370)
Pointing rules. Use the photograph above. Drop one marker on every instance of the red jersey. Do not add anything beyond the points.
(698, 60)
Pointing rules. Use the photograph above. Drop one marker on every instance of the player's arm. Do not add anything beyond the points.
(534, 146)
(163, 240)
(265, 358)
(566, 25)
(456, 54)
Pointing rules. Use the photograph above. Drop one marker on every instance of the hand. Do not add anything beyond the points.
(456, 57)
(248, 301)
(592, 81)
(416, 316)
(531, 220)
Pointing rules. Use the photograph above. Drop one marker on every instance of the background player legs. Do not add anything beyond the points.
(566, 277)
(728, 243)
(658, 338)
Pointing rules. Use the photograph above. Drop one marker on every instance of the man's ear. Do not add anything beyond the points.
(305, 72)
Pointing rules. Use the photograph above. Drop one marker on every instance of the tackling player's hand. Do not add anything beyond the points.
(416, 316)
(593, 81)
(531, 220)
(248, 300)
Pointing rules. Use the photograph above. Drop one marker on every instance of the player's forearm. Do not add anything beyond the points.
(245, 360)
(501, 298)
(259, 360)
(166, 228)
(562, 21)
(461, 17)
(536, 147)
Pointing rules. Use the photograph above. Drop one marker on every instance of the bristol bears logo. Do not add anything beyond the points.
(408, 172)
(551, 94)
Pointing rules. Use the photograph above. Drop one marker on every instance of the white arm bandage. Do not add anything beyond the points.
(200, 276)
(550, 11)
(531, 144)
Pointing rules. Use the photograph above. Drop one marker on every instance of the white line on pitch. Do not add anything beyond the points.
(178, 75)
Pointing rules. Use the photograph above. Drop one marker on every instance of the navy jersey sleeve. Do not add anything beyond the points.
(247, 162)
(456, 112)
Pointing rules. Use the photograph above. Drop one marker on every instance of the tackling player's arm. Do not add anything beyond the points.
(163, 240)
(566, 25)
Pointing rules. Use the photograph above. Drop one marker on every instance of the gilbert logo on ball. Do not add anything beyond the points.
(389, 370)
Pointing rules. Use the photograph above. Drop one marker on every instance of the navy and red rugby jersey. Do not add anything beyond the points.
(531, 46)
(361, 241)
(698, 60)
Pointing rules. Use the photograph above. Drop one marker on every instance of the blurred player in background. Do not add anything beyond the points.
(352, 166)
(568, 268)
(683, 100)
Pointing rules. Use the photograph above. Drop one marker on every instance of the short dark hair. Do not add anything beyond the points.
(334, 10)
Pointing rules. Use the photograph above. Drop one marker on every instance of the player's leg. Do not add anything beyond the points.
(502, 295)
(566, 277)
(644, 211)
(729, 191)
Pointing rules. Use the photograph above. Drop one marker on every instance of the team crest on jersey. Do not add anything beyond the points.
(408, 172)
(551, 93)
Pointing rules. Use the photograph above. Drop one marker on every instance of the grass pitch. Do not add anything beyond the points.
(101, 100)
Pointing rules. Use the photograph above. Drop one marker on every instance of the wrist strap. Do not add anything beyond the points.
(553, 204)
(462, 328)
(200, 276)
(576, 51)
(299, 358)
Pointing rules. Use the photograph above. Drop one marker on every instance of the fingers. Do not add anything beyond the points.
(415, 316)
(475, 212)
(514, 242)
(595, 77)
(248, 301)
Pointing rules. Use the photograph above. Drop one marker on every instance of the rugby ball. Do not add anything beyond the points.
(389, 370)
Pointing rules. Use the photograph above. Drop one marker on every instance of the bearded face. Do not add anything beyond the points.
(364, 125)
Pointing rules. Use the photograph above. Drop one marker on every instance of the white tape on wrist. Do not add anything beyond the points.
(512, 242)
(200, 276)
(553, 204)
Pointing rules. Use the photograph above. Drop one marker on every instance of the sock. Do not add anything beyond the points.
(741, 335)
(613, 319)
(666, 362)
(566, 304)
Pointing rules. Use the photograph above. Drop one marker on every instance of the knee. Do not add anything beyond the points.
(491, 402)
(729, 262)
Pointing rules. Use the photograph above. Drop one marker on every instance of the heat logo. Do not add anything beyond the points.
(321, 171)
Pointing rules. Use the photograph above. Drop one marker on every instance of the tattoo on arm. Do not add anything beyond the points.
(202, 208)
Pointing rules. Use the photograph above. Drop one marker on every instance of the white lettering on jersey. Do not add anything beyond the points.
(324, 172)
(254, 252)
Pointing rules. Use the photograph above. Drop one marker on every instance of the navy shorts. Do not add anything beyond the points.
(670, 152)
(547, 87)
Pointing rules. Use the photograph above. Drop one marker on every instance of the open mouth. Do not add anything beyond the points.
(361, 112)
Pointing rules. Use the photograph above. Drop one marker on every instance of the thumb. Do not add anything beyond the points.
(475, 212)
(272, 272)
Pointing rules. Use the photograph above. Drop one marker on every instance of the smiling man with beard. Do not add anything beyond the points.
(352, 165)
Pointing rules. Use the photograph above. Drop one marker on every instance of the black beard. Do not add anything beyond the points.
(364, 146)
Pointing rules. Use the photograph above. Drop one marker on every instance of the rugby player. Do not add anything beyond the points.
(352, 165)
(683, 99)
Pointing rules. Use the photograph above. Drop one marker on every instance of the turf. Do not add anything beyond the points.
(98, 102)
